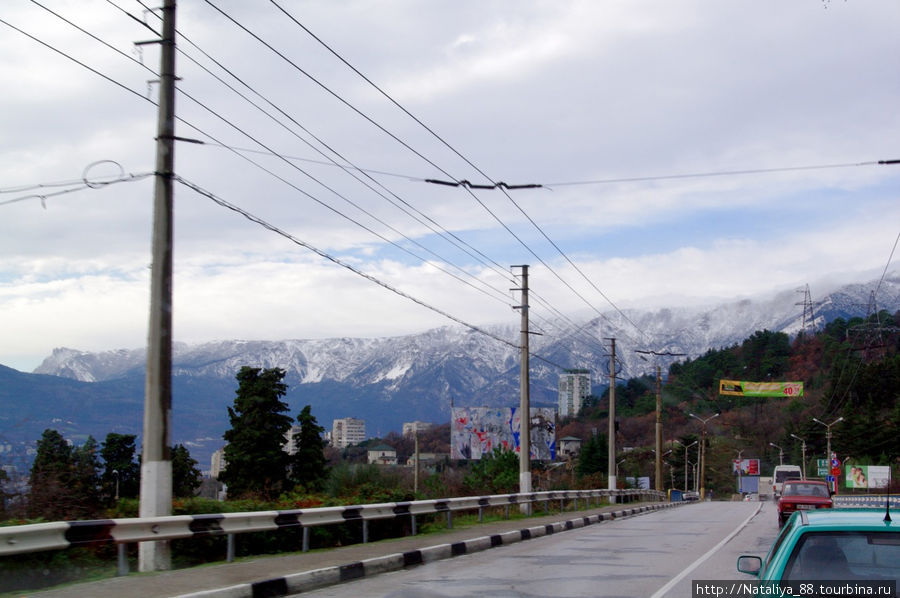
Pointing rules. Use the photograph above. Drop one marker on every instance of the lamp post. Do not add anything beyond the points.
(828, 435)
(780, 453)
(686, 447)
(703, 452)
(802, 452)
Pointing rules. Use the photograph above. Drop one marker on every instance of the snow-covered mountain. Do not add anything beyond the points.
(387, 381)
(454, 360)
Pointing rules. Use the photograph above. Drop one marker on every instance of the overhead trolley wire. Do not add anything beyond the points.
(271, 227)
(428, 222)
(469, 186)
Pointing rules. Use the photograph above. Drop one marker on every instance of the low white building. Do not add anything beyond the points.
(382, 454)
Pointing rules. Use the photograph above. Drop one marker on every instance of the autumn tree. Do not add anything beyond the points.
(256, 462)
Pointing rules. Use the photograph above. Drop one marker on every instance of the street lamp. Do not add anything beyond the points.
(703, 452)
(686, 447)
(780, 453)
(803, 451)
(828, 436)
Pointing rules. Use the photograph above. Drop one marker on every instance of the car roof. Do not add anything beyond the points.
(852, 519)
(804, 481)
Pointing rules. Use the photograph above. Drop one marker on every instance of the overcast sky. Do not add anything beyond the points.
(603, 103)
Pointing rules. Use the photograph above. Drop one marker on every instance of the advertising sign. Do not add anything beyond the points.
(477, 431)
(866, 476)
(740, 388)
(745, 467)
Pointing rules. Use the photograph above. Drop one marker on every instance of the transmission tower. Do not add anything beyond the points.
(872, 332)
(808, 322)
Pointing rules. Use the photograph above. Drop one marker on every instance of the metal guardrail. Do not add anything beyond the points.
(865, 500)
(39, 537)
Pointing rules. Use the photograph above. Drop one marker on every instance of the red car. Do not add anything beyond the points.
(801, 495)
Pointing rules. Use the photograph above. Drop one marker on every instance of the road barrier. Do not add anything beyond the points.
(39, 537)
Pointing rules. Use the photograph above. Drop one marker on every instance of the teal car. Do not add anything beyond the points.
(837, 545)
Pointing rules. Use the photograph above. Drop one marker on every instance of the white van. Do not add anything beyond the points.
(782, 473)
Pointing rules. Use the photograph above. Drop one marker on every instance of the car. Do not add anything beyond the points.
(802, 495)
(837, 545)
(783, 473)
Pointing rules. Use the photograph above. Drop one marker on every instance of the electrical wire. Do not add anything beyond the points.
(337, 261)
(469, 186)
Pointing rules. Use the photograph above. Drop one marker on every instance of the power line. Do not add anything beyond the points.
(469, 186)
(721, 173)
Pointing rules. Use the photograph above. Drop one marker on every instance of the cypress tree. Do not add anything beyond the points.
(308, 466)
(256, 462)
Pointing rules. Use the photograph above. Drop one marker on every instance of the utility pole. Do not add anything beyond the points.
(156, 462)
(524, 397)
(611, 463)
(659, 483)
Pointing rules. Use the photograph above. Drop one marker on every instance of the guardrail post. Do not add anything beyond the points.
(305, 539)
(365, 531)
(449, 519)
(413, 518)
(480, 514)
(122, 565)
(507, 511)
(561, 505)
(546, 505)
(230, 554)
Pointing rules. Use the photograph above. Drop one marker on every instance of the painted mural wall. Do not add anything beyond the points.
(476, 431)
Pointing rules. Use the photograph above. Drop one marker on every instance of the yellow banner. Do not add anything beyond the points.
(740, 388)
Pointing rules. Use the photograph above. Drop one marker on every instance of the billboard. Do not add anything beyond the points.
(477, 431)
(866, 476)
(745, 467)
(741, 388)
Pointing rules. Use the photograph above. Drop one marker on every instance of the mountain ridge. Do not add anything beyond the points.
(389, 380)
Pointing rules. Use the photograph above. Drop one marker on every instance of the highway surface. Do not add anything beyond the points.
(656, 555)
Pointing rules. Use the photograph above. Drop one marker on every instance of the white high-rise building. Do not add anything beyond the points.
(347, 431)
(574, 387)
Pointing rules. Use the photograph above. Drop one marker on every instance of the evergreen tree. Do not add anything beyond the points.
(186, 478)
(121, 474)
(308, 465)
(51, 476)
(495, 473)
(85, 484)
(593, 457)
(256, 462)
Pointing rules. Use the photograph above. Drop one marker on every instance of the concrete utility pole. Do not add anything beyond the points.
(802, 451)
(659, 483)
(611, 463)
(156, 464)
(703, 452)
(524, 397)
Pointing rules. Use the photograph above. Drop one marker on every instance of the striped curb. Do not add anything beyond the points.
(319, 578)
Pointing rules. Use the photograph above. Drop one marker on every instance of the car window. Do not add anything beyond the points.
(775, 546)
(805, 490)
(845, 555)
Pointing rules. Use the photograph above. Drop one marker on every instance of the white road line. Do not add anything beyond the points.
(663, 590)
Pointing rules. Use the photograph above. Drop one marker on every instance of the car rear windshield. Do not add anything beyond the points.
(845, 556)
(805, 490)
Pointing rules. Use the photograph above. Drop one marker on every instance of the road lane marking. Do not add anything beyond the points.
(663, 590)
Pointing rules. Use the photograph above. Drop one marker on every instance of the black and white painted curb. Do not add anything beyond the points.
(319, 578)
